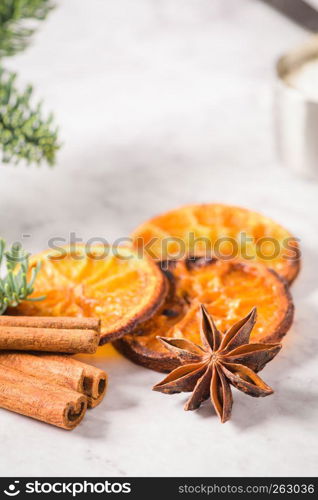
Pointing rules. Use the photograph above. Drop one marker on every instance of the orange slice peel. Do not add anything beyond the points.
(229, 290)
(223, 231)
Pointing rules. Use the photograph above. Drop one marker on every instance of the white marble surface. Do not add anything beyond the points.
(162, 103)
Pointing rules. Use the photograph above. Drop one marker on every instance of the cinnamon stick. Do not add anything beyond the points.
(61, 373)
(95, 384)
(61, 370)
(23, 338)
(41, 400)
(62, 323)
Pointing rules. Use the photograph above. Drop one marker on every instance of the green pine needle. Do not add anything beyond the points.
(15, 37)
(14, 286)
(24, 133)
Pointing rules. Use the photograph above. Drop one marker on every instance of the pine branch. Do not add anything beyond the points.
(24, 133)
(14, 287)
(15, 37)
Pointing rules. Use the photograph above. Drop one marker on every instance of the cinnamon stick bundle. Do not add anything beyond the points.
(68, 335)
(54, 388)
(40, 399)
(61, 370)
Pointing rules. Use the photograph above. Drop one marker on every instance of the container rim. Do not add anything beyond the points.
(293, 59)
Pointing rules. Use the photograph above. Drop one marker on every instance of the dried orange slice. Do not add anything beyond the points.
(223, 231)
(117, 286)
(229, 290)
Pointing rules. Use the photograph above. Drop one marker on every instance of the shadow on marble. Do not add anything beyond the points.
(299, 404)
(94, 426)
(125, 380)
(300, 345)
(245, 416)
(120, 401)
(307, 280)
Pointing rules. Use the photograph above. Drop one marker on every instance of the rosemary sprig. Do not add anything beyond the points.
(14, 286)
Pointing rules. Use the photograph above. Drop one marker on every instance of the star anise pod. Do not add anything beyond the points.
(223, 360)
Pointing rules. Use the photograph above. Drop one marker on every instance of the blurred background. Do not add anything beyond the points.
(162, 103)
(159, 103)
